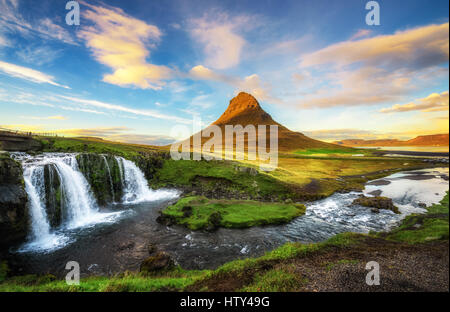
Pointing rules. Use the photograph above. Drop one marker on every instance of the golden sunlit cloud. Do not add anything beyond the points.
(435, 102)
(121, 42)
(221, 43)
(28, 74)
(410, 48)
(380, 69)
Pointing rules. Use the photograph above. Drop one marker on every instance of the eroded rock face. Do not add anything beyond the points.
(53, 196)
(14, 217)
(103, 175)
(377, 202)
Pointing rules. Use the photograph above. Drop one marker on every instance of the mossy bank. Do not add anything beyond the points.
(198, 212)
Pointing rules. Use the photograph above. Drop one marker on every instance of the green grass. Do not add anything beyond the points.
(274, 281)
(231, 213)
(127, 282)
(222, 174)
(419, 228)
(93, 145)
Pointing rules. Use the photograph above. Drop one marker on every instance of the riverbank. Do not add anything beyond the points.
(413, 257)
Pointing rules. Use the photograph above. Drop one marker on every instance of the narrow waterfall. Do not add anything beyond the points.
(34, 186)
(111, 184)
(136, 186)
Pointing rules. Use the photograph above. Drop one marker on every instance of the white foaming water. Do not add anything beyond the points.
(136, 188)
(79, 207)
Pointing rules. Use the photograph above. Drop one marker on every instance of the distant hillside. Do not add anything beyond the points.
(422, 140)
(245, 110)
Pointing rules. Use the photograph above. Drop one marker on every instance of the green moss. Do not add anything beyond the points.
(204, 212)
(419, 228)
(4, 269)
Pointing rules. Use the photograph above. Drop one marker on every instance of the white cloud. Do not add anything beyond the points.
(122, 43)
(218, 35)
(28, 74)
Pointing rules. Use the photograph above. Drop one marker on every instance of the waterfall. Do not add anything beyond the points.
(136, 188)
(110, 177)
(78, 199)
(55, 180)
(34, 186)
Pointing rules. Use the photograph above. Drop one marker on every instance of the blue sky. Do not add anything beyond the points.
(133, 70)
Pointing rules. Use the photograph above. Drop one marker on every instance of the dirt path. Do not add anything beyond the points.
(403, 267)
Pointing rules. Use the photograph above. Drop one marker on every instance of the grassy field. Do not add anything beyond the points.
(197, 212)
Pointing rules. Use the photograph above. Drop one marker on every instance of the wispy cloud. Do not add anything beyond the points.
(39, 55)
(119, 134)
(435, 102)
(56, 117)
(220, 39)
(361, 34)
(28, 74)
(12, 22)
(122, 43)
(120, 108)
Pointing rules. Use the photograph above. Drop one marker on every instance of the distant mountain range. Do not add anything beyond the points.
(422, 140)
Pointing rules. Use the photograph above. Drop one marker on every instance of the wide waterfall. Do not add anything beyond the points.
(61, 198)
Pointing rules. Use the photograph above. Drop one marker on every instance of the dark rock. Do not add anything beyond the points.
(187, 211)
(160, 261)
(214, 221)
(379, 182)
(375, 210)
(378, 202)
(14, 218)
(422, 205)
(53, 196)
(376, 193)
(165, 220)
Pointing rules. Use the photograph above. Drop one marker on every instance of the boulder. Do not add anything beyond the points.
(160, 261)
(378, 202)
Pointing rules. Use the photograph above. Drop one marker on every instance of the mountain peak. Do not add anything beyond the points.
(244, 109)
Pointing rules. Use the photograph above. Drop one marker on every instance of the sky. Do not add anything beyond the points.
(136, 71)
